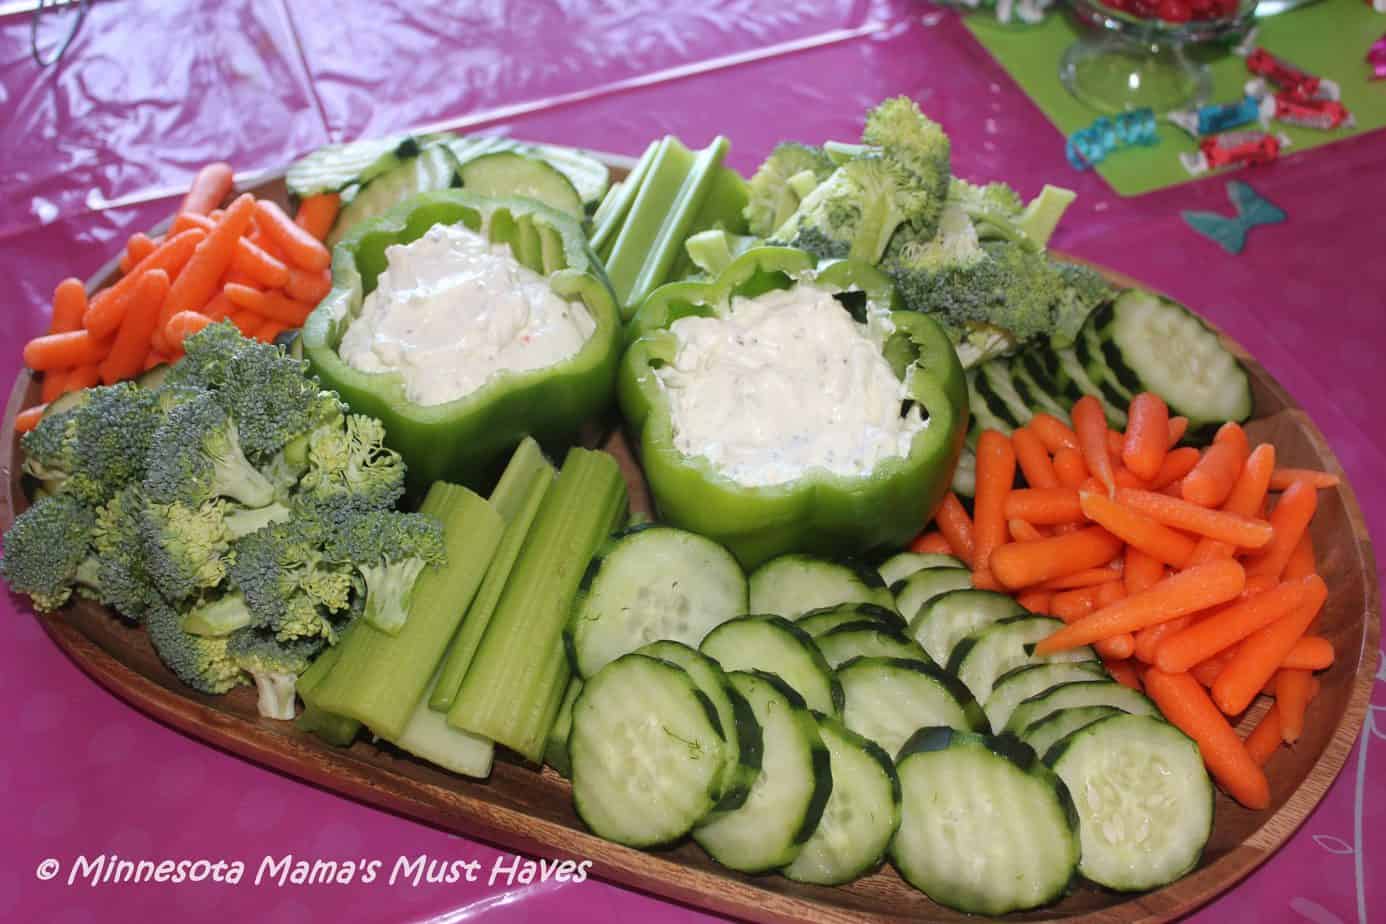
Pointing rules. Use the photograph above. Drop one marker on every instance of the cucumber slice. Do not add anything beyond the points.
(509, 173)
(1144, 800)
(965, 475)
(1036, 397)
(914, 592)
(984, 826)
(816, 622)
(652, 583)
(776, 645)
(1073, 370)
(646, 752)
(889, 699)
(994, 384)
(1162, 347)
(589, 176)
(866, 640)
(334, 167)
(986, 414)
(791, 585)
(740, 731)
(788, 797)
(1028, 680)
(1080, 693)
(556, 751)
(1048, 731)
(898, 567)
(1089, 353)
(951, 617)
(1042, 364)
(433, 168)
(862, 813)
(989, 652)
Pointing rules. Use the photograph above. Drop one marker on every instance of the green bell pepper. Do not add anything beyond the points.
(464, 440)
(820, 512)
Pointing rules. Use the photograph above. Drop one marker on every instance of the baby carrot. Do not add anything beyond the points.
(1023, 532)
(995, 474)
(243, 296)
(280, 308)
(197, 283)
(137, 248)
(1118, 647)
(1282, 478)
(1148, 639)
(28, 419)
(81, 377)
(1265, 738)
(1233, 528)
(1292, 698)
(69, 305)
(1023, 564)
(1141, 571)
(1206, 672)
(219, 307)
(1289, 519)
(931, 542)
(1245, 500)
(1053, 433)
(1213, 477)
(952, 520)
(108, 307)
(1311, 653)
(1175, 467)
(131, 344)
(63, 351)
(302, 248)
(307, 287)
(211, 185)
(1036, 601)
(1070, 468)
(246, 321)
(1124, 673)
(1089, 577)
(1301, 563)
(1090, 423)
(1262, 653)
(1115, 441)
(1183, 650)
(269, 330)
(1044, 506)
(1178, 426)
(317, 213)
(52, 385)
(1138, 529)
(183, 325)
(1185, 704)
(1186, 592)
(1033, 459)
(1073, 605)
(254, 262)
(185, 220)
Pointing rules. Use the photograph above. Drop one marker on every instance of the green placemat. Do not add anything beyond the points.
(1329, 39)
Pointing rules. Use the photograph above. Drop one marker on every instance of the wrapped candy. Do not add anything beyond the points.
(1233, 149)
(1090, 146)
(1287, 78)
(1321, 111)
(1218, 117)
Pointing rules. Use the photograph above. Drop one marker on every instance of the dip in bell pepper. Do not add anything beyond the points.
(464, 440)
(820, 511)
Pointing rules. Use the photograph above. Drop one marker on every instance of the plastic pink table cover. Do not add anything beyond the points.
(97, 147)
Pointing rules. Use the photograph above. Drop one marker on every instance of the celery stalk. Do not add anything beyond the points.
(663, 181)
(336, 730)
(380, 678)
(428, 735)
(556, 751)
(508, 694)
(722, 210)
(611, 214)
(516, 498)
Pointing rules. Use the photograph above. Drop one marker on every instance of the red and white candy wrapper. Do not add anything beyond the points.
(1287, 78)
(1323, 114)
(1260, 88)
(1234, 149)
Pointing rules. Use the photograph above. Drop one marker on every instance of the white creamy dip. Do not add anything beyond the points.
(453, 311)
(783, 383)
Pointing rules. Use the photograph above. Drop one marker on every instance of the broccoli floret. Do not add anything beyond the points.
(122, 576)
(186, 547)
(46, 546)
(1084, 291)
(771, 196)
(196, 455)
(289, 584)
(348, 464)
(390, 550)
(242, 522)
(908, 137)
(275, 665)
(218, 617)
(99, 446)
(1000, 214)
(202, 663)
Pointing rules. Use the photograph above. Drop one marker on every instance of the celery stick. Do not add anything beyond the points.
(722, 210)
(428, 735)
(336, 730)
(663, 182)
(556, 751)
(380, 678)
(611, 214)
(516, 498)
(508, 693)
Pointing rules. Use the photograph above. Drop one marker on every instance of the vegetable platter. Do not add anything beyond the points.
(530, 810)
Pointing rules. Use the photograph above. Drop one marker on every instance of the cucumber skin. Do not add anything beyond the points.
(972, 711)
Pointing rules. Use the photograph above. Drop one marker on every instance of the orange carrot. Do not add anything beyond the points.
(1138, 529)
(1186, 592)
(1289, 520)
(1089, 577)
(53, 382)
(28, 419)
(302, 248)
(1148, 639)
(952, 520)
(1178, 426)
(269, 330)
(1125, 478)
(137, 248)
(1311, 653)
(1070, 468)
(155, 359)
(308, 287)
(1118, 647)
(219, 307)
(931, 542)
(1090, 423)
(1147, 435)
(1301, 563)
(1124, 673)
(1282, 478)
(1206, 672)
(1021, 531)
(197, 283)
(186, 220)
(1023, 564)
(1236, 529)
(317, 213)
(69, 305)
(1261, 654)
(1141, 571)
(183, 325)
(81, 377)
(1213, 477)
(63, 351)
(1245, 500)
(280, 308)
(1187, 706)
(1115, 441)
(245, 297)
(1073, 605)
(108, 307)
(1033, 459)
(1265, 738)
(247, 322)
(1053, 433)
(1292, 697)
(1044, 506)
(131, 345)
(1175, 467)
(255, 263)
(1036, 601)
(995, 474)
(211, 185)
(1202, 641)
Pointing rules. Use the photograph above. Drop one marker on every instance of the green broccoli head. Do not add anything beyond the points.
(290, 585)
(196, 456)
(99, 446)
(348, 464)
(202, 662)
(186, 548)
(123, 580)
(772, 197)
(1084, 291)
(274, 664)
(390, 550)
(1000, 214)
(46, 546)
(919, 144)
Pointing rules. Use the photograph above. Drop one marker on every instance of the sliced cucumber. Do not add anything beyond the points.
(816, 622)
(1144, 800)
(652, 583)
(889, 699)
(334, 167)
(1037, 398)
(510, 173)
(1073, 370)
(556, 751)
(1089, 353)
(776, 645)
(788, 796)
(433, 168)
(1080, 693)
(1046, 732)
(1028, 680)
(952, 617)
(866, 640)
(1042, 365)
(1160, 346)
(988, 411)
(862, 813)
(900, 566)
(646, 752)
(791, 585)
(989, 652)
(589, 176)
(994, 384)
(914, 592)
(984, 826)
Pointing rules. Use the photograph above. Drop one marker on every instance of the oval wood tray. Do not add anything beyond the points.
(531, 811)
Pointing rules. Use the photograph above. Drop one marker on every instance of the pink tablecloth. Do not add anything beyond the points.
(93, 148)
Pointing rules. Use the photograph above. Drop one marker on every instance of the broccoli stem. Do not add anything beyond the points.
(389, 588)
(234, 477)
(244, 522)
(276, 694)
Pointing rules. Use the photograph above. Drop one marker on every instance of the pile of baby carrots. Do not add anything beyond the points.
(1170, 561)
(249, 263)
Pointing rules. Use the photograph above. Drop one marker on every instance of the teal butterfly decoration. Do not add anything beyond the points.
(1230, 233)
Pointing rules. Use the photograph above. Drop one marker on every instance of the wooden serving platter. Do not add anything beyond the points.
(527, 810)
